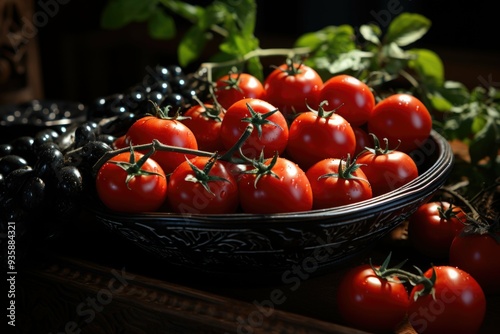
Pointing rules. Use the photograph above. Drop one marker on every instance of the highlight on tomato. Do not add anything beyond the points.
(131, 182)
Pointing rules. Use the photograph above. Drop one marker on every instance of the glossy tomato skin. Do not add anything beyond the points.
(353, 98)
(363, 140)
(185, 196)
(371, 303)
(478, 254)
(205, 122)
(167, 131)
(289, 88)
(290, 191)
(233, 87)
(389, 171)
(459, 305)
(274, 135)
(313, 138)
(431, 233)
(144, 193)
(401, 117)
(334, 191)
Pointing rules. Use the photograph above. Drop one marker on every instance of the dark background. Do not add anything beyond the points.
(81, 61)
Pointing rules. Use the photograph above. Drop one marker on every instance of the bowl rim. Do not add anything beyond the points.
(427, 182)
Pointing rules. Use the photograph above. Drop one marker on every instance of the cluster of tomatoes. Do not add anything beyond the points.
(291, 143)
(448, 297)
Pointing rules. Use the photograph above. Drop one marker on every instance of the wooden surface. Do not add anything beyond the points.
(96, 282)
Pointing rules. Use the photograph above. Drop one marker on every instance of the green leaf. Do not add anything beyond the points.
(118, 13)
(245, 12)
(329, 41)
(191, 45)
(161, 26)
(371, 33)
(407, 28)
(428, 65)
(482, 145)
(189, 12)
(354, 60)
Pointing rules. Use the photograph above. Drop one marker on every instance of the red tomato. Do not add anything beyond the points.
(168, 131)
(401, 117)
(270, 133)
(352, 97)
(371, 303)
(336, 182)
(457, 305)
(478, 254)
(142, 193)
(434, 225)
(387, 170)
(233, 87)
(205, 122)
(119, 143)
(315, 136)
(202, 185)
(290, 86)
(275, 187)
(362, 139)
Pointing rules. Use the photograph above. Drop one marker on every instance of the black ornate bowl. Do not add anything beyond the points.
(316, 241)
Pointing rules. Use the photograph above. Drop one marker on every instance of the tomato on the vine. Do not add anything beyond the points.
(456, 304)
(292, 86)
(478, 254)
(131, 183)
(275, 185)
(401, 117)
(202, 185)
(270, 129)
(205, 120)
(168, 131)
(386, 169)
(336, 182)
(353, 98)
(432, 228)
(318, 135)
(235, 86)
(370, 302)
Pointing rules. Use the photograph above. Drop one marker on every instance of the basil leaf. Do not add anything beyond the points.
(118, 13)
(407, 28)
(371, 33)
(428, 64)
(161, 26)
(191, 45)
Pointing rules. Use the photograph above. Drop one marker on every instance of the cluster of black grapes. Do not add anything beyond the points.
(45, 177)
(162, 86)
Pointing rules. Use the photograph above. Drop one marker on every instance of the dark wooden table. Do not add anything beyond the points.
(90, 281)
